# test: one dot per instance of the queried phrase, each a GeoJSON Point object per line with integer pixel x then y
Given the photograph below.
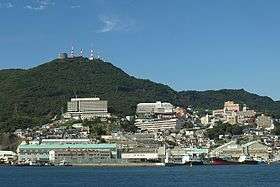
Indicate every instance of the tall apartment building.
{"type": "Point", "coordinates": [86, 108]}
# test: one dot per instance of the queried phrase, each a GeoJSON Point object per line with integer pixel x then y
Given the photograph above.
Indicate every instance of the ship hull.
{"type": "Point", "coordinates": [220, 161]}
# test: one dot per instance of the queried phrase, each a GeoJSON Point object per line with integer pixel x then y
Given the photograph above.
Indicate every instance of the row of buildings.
{"type": "Point", "coordinates": [149, 116]}
{"type": "Point", "coordinates": [85, 152]}
{"type": "Point", "coordinates": [164, 130]}
{"type": "Point", "coordinates": [232, 114]}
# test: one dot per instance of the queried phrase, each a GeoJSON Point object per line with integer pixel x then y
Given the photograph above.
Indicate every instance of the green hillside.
{"type": "Point", "coordinates": [215, 99]}
{"type": "Point", "coordinates": [44, 90]}
{"type": "Point", "coordinates": [31, 97]}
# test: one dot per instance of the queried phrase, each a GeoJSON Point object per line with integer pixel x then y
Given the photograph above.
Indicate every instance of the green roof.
{"type": "Point", "coordinates": [67, 146]}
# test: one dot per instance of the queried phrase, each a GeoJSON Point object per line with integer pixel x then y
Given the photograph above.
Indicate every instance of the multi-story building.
{"type": "Point", "coordinates": [246, 116]}
{"type": "Point", "coordinates": [264, 122]}
{"type": "Point", "coordinates": [231, 114]}
{"type": "Point", "coordinates": [86, 108]}
{"type": "Point", "coordinates": [159, 124]}
{"type": "Point", "coordinates": [158, 116]}
{"type": "Point", "coordinates": [155, 108]}
{"type": "Point", "coordinates": [231, 106]}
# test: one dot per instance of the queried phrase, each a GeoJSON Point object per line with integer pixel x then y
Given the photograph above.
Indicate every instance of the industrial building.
{"type": "Point", "coordinates": [232, 149]}
{"type": "Point", "coordinates": [86, 108]}
{"type": "Point", "coordinates": [74, 153]}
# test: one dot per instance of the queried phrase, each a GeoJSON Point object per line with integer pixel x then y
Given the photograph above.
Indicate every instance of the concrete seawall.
{"type": "Point", "coordinates": [121, 165]}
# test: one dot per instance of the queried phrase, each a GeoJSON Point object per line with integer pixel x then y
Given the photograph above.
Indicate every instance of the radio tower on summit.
{"type": "Point", "coordinates": [91, 55]}
{"type": "Point", "coordinates": [72, 52]}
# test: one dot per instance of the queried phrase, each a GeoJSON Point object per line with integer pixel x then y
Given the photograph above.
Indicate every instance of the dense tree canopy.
{"type": "Point", "coordinates": [34, 96]}
{"type": "Point", "coordinates": [224, 129]}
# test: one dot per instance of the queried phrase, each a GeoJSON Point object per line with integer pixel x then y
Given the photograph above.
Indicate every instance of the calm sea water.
{"type": "Point", "coordinates": [258, 175]}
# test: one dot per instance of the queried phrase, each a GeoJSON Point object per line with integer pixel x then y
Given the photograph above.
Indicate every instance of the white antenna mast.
{"type": "Point", "coordinates": [91, 55]}
{"type": "Point", "coordinates": [72, 52]}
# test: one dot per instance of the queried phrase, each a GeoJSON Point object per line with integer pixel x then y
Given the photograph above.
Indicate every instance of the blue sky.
{"type": "Point", "coordinates": [187, 44]}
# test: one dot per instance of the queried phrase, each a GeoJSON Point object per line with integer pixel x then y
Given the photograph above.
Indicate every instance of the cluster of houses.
{"type": "Point", "coordinates": [162, 128]}
{"type": "Point", "coordinates": [55, 130]}
{"type": "Point", "coordinates": [232, 114]}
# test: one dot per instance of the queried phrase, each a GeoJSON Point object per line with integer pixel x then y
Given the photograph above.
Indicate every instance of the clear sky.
{"type": "Point", "coordinates": [187, 44]}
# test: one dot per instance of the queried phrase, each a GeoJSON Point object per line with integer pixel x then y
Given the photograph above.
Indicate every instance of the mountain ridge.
{"type": "Point", "coordinates": [41, 92]}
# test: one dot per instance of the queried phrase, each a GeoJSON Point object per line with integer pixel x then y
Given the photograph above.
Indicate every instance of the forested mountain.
{"type": "Point", "coordinates": [215, 99]}
{"type": "Point", "coordinates": [32, 97]}
{"type": "Point", "coordinates": [43, 91]}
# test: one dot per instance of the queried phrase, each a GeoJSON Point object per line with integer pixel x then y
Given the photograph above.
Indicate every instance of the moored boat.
{"type": "Point", "coordinates": [222, 161]}
{"type": "Point", "coordinates": [247, 160]}
{"type": "Point", "coordinates": [229, 161]}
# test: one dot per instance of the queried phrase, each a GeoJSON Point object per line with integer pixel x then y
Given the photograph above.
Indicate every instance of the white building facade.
{"type": "Point", "coordinates": [86, 108]}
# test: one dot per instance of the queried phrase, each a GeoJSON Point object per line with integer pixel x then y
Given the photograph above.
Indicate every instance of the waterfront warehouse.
{"type": "Point", "coordinates": [78, 153]}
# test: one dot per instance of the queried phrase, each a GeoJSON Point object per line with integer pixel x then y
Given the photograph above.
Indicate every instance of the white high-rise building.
{"type": "Point", "coordinates": [157, 116]}
{"type": "Point", "coordinates": [86, 108]}
{"type": "Point", "coordinates": [155, 108]}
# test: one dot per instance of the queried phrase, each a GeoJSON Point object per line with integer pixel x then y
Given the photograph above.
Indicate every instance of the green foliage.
{"type": "Point", "coordinates": [99, 127]}
{"type": "Point", "coordinates": [38, 94]}
{"type": "Point", "coordinates": [9, 141]}
{"type": "Point", "coordinates": [21, 122]}
{"type": "Point", "coordinates": [215, 99]}
{"type": "Point", "coordinates": [128, 126]}
{"type": "Point", "coordinates": [223, 129]}
{"type": "Point", "coordinates": [43, 91]}
{"type": "Point", "coordinates": [276, 130]}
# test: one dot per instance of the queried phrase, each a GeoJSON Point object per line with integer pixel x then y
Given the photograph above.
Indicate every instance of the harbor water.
{"type": "Point", "coordinates": [235, 175]}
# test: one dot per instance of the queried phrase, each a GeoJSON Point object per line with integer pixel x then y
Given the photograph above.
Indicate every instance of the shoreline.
{"type": "Point", "coordinates": [120, 165]}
